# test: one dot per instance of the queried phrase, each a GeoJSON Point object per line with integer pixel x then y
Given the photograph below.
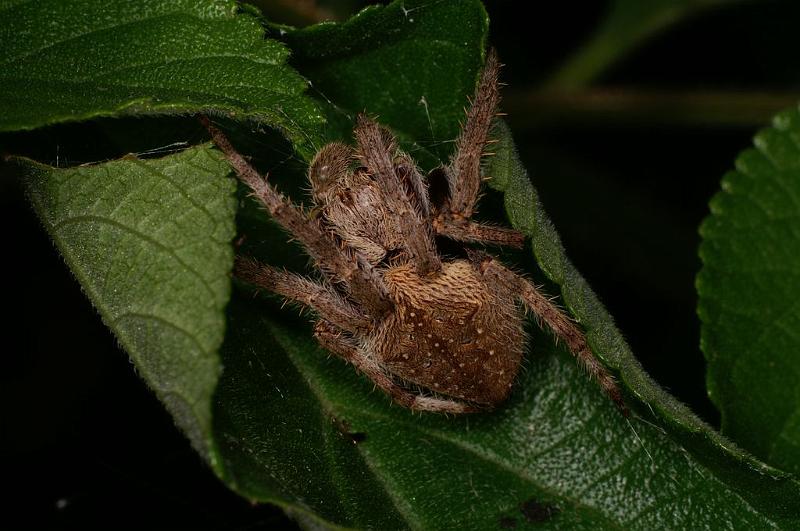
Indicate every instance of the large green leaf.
{"type": "Point", "coordinates": [303, 430]}
{"type": "Point", "coordinates": [405, 63]}
{"type": "Point", "coordinates": [149, 241]}
{"type": "Point", "coordinates": [749, 290]}
{"type": "Point", "coordinates": [90, 58]}
{"type": "Point", "coordinates": [300, 429]}
{"type": "Point", "coordinates": [293, 427]}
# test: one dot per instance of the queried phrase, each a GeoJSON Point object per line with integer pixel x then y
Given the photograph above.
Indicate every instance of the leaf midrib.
{"type": "Point", "coordinates": [85, 218]}
{"type": "Point", "coordinates": [493, 459]}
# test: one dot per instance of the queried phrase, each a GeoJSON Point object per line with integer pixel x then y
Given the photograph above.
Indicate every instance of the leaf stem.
{"type": "Point", "coordinates": [636, 106]}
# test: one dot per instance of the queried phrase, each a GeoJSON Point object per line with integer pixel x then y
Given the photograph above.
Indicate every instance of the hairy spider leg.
{"type": "Point", "coordinates": [414, 184]}
{"type": "Point", "coordinates": [467, 231]}
{"type": "Point", "coordinates": [562, 327]}
{"type": "Point", "coordinates": [333, 340]}
{"type": "Point", "coordinates": [376, 145]}
{"type": "Point", "coordinates": [416, 189]}
{"type": "Point", "coordinates": [324, 300]}
{"type": "Point", "coordinates": [339, 264]}
{"type": "Point", "coordinates": [463, 173]}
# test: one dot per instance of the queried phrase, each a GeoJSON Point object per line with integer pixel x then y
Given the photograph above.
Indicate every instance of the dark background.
{"type": "Point", "coordinates": [85, 444]}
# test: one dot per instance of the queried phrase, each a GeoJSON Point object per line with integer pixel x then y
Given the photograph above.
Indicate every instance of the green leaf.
{"type": "Point", "coordinates": [293, 427]}
{"type": "Point", "coordinates": [149, 242]}
{"type": "Point", "coordinates": [749, 289]}
{"type": "Point", "coordinates": [301, 429]}
{"type": "Point", "coordinates": [626, 25]}
{"type": "Point", "coordinates": [66, 61]}
{"type": "Point", "coordinates": [405, 63]}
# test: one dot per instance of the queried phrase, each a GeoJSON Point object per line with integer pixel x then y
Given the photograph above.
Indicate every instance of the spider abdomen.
{"type": "Point", "coordinates": [451, 333]}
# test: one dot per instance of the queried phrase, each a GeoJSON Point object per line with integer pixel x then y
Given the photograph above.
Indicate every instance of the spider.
{"type": "Point", "coordinates": [436, 334]}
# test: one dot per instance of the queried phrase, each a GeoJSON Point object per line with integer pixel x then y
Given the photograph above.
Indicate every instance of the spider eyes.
{"type": "Point", "coordinates": [323, 174]}
{"type": "Point", "coordinates": [320, 176]}
{"type": "Point", "coordinates": [330, 164]}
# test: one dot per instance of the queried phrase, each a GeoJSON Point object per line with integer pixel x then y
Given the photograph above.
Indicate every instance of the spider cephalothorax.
{"type": "Point", "coordinates": [389, 303]}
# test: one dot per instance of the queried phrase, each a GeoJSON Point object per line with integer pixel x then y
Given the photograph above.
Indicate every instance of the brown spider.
{"type": "Point", "coordinates": [390, 304]}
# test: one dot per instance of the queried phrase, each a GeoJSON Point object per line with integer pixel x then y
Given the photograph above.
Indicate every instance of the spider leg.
{"type": "Point", "coordinates": [326, 302]}
{"type": "Point", "coordinates": [376, 149]}
{"type": "Point", "coordinates": [463, 173]}
{"type": "Point", "coordinates": [362, 281]}
{"type": "Point", "coordinates": [333, 340]}
{"type": "Point", "coordinates": [415, 187]}
{"type": "Point", "coordinates": [464, 170]}
{"type": "Point", "coordinates": [463, 230]}
{"type": "Point", "coordinates": [548, 313]}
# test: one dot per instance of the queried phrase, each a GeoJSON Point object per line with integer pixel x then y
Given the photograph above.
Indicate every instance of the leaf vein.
{"type": "Point", "coordinates": [164, 321]}
{"type": "Point", "coordinates": [495, 460]}
{"type": "Point", "coordinates": [186, 195]}
{"type": "Point", "coordinates": [93, 31]}
{"type": "Point", "coordinates": [57, 226]}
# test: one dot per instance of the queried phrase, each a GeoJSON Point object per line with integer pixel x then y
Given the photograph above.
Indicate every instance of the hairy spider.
{"type": "Point", "coordinates": [390, 304]}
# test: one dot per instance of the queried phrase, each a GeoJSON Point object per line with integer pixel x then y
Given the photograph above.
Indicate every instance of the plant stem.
{"type": "Point", "coordinates": [631, 106]}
